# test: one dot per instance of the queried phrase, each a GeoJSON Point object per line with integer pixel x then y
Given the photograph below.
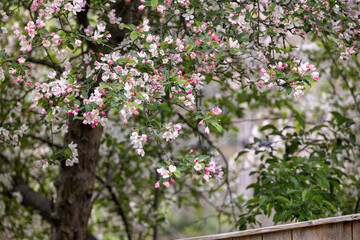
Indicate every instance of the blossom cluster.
{"type": "Point", "coordinates": [73, 158]}
{"type": "Point", "coordinates": [172, 131]}
{"type": "Point", "coordinates": [75, 7]}
{"type": "Point", "coordinates": [207, 170]}
{"type": "Point", "coordinates": [153, 69]}
{"type": "Point", "coordinates": [42, 164]}
{"type": "Point", "coordinates": [12, 137]}
{"type": "Point", "coordinates": [165, 174]}
{"type": "Point", "coordinates": [55, 91]}
{"type": "Point", "coordinates": [203, 166]}
{"type": "Point", "coordinates": [289, 77]}
{"type": "Point", "coordinates": [137, 142]}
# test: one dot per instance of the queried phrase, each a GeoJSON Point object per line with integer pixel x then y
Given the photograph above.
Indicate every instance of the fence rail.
{"type": "Point", "coordinates": [334, 228]}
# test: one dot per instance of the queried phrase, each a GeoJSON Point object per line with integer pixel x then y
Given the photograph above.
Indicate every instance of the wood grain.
{"type": "Point", "coordinates": [253, 237]}
{"type": "Point", "coordinates": [356, 230]}
{"type": "Point", "coordinates": [343, 228]}
{"type": "Point", "coordinates": [333, 231]}
{"type": "Point", "coordinates": [283, 235]}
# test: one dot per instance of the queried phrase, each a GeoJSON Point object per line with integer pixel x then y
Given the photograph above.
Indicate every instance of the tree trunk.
{"type": "Point", "coordinates": [75, 184]}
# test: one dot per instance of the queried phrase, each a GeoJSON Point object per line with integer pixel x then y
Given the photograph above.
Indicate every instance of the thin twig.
{"type": "Point", "coordinates": [119, 207]}
{"type": "Point", "coordinates": [109, 177]}
{"type": "Point", "coordinates": [227, 182]}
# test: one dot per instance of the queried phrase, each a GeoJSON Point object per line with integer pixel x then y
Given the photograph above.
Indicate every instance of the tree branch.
{"type": "Point", "coordinates": [46, 63]}
{"type": "Point", "coordinates": [119, 207]}
{"type": "Point", "coordinates": [34, 199]}
{"type": "Point", "coordinates": [39, 202]}
{"type": "Point", "coordinates": [46, 141]}
{"type": "Point", "coordinates": [227, 182]}
{"type": "Point", "coordinates": [109, 177]}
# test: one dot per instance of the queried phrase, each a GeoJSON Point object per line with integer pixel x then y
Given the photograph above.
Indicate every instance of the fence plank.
{"type": "Point", "coordinates": [356, 230]}
{"type": "Point", "coordinates": [344, 229]}
{"type": "Point", "coordinates": [253, 237]}
{"type": "Point", "coordinates": [307, 233]}
{"type": "Point", "coordinates": [335, 231]}
{"type": "Point", "coordinates": [283, 235]}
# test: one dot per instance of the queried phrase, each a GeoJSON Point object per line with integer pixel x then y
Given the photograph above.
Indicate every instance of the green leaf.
{"type": "Point", "coordinates": [137, 105]}
{"type": "Point", "coordinates": [154, 3]}
{"type": "Point", "coordinates": [272, 7]}
{"type": "Point", "coordinates": [78, 117]}
{"type": "Point", "coordinates": [288, 90]}
{"type": "Point", "coordinates": [68, 152]}
{"type": "Point", "coordinates": [300, 119]}
{"type": "Point", "coordinates": [202, 158]}
{"type": "Point", "coordinates": [126, 26]}
{"type": "Point", "coordinates": [253, 200]}
{"type": "Point", "coordinates": [199, 116]}
{"type": "Point", "coordinates": [70, 46]}
{"type": "Point", "coordinates": [2, 53]}
{"type": "Point", "coordinates": [283, 199]}
{"type": "Point", "coordinates": [304, 195]}
{"type": "Point", "coordinates": [177, 173]}
{"type": "Point", "coordinates": [160, 165]}
{"type": "Point", "coordinates": [300, 10]}
{"type": "Point", "coordinates": [132, 27]}
{"type": "Point", "coordinates": [165, 107]}
{"type": "Point", "coordinates": [84, 94]}
{"type": "Point", "coordinates": [208, 78]}
{"type": "Point", "coordinates": [134, 35]}
{"type": "Point", "coordinates": [268, 126]}
{"type": "Point", "coordinates": [49, 116]}
{"type": "Point", "coordinates": [216, 125]}
{"type": "Point", "coordinates": [316, 128]}
{"type": "Point", "coordinates": [43, 31]}
{"type": "Point", "coordinates": [88, 108]}
{"type": "Point", "coordinates": [240, 154]}
{"type": "Point", "coordinates": [263, 200]}
{"type": "Point", "coordinates": [333, 208]}
{"type": "Point", "coordinates": [189, 48]}
{"type": "Point", "coordinates": [352, 137]}
{"type": "Point", "coordinates": [340, 119]}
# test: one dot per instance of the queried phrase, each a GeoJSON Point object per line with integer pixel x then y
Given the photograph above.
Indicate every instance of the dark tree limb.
{"type": "Point", "coordinates": [109, 177]}
{"type": "Point", "coordinates": [118, 206]}
{"type": "Point", "coordinates": [46, 141]}
{"type": "Point", "coordinates": [46, 63]}
{"type": "Point", "coordinates": [37, 201]}
{"type": "Point", "coordinates": [357, 205]}
{"type": "Point", "coordinates": [227, 182]}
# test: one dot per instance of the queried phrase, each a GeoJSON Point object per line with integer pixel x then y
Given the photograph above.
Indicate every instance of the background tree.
{"type": "Point", "coordinates": [99, 94]}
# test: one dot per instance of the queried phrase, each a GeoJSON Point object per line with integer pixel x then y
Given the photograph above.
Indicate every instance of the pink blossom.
{"type": "Point", "coordinates": [172, 168]}
{"type": "Point", "coordinates": [197, 166]}
{"type": "Point", "coordinates": [315, 75]}
{"type": "Point", "coordinates": [216, 111]}
{"type": "Point", "coordinates": [206, 177]}
{"type": "Point", "coordinates": [21, 60]}
{"type": "Point", "coordinates": [77, 43]}
{"type": "Point", "coordinates": [177, 126]}
{"type": "Point", "coordinates": [207, 130]}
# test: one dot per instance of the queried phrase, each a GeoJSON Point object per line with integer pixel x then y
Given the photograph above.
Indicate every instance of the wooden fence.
{"type": "Point", "coordinates": [335, 228]}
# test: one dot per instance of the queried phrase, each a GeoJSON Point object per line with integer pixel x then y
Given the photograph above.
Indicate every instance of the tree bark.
{"type": "Point", "coordinates": [75, 184]}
